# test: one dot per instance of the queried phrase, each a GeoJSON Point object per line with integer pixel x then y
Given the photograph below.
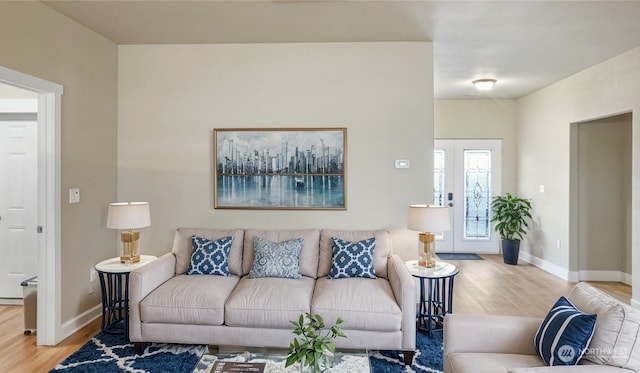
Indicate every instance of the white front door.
{"type": "Point", "coordinates": [467, 174]}
{"type": "Point", "coordinates": [18, 215]}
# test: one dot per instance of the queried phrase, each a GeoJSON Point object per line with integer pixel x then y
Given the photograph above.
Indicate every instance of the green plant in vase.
{"type": "Point", "coordinates": [511, 214]}
{"type": "Point", "coordinates": [312, 347]}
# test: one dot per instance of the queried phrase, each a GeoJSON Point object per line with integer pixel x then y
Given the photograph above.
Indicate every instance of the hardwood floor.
{"type": "Point", "coordinates": [491, 287]}
{"type": "Point", "coordinates": [19, 353]}
{"type": "Point", "coordinates": [482, 286]}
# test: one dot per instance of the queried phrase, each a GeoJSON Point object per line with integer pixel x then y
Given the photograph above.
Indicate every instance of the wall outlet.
{"type": "Point", "coordinates": [93, 276]}
{"type": "Point", "coordinates": [559, 244]}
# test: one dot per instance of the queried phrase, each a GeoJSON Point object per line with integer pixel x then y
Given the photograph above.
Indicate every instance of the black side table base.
{"type": "Point", "coordinates": [115, 303]}
{"type": "Point", "coordinates": [436, 301]}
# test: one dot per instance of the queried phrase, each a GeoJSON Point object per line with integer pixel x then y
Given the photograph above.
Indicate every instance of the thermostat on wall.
{"type": "Point", "coordinates": [403, 163]}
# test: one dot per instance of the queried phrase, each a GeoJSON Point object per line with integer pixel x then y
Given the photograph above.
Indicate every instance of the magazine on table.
{"type": "Point", "coordinates": [237, 367]}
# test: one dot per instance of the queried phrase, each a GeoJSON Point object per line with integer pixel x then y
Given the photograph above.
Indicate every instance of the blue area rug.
{"type": "Point", "coordinates": [106, 353]}
{"type": "Point", "coordinates": [428, 357]}
{"type": "Point", "coordinates": [459, 256]}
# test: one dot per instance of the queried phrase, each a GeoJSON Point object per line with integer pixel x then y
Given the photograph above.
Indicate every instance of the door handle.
{"type": "Point", "coordinates": [450, 199]}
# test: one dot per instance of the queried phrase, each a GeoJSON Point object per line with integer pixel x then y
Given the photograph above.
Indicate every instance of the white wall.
{"type": "Point", "coordinates": [603, 161]}
{"type": "Point", "coordinates": [482, 119]}
{"type": "Point", "coordinates": [7, 91]}
{"type": "Point", "coordinates": [544, 120]}
{"type": "Point", "coordinates": [40, 42]}
{"type": "Point", "coordinates": [172, 97]}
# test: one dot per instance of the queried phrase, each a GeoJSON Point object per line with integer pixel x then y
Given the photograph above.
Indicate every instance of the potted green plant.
{"type": "Point", "coordinates": [313, 348]}
{"type": "Point", "coordinates": [511, 214]}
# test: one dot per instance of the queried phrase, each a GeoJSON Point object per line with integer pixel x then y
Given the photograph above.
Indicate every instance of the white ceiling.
{"type": "Point", "coordinates": [525, 45]}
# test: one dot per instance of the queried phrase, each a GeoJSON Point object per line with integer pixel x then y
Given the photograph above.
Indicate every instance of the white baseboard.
{"type": "Point", "coordinates": [613, 276]}
{"type": "Point", "coordinates": [575, 276]}
{"type": "Point", "coordinates": [11, 302]}
{"type": "Point", "coordinates": [554, 269]}
{"type": "Point", "coordinates": [77, 323]}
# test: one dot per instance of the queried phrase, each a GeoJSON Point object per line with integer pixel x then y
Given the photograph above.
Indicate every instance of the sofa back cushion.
{"type": "Point", "coordinates": [381, 252]}
{"type": "Point", "coordinates": [308, 254]}
{"type": "Point", "coordinates": [183, 247]}
{"type": "Point", "coordinates": [615, 340]}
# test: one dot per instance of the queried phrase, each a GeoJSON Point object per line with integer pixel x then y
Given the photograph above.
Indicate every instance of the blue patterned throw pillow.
{"type": "Point", "coordinates": [210, 257]}
{"type": "Point", "coordinates": [276, 259]}
{"type": "Point", "coordinates": [564, 335]}
{"type": "Point", "coordinates": [352, 259]}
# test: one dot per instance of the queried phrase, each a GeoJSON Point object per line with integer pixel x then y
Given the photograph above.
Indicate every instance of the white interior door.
{"type": "Point", "coordinates": [18, 215]}
{"type": "Point", "coordinates": [467, 174]}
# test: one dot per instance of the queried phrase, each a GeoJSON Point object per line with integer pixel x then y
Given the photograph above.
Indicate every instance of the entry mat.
{"type": "Point", "coordinates": [459, 256]}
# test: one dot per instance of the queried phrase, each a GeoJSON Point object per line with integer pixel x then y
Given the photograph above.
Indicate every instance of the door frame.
{"type": "Point", "coordinates": [49, 318]}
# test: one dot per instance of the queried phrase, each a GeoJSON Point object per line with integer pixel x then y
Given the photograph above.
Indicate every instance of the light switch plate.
{"type": "Point", "coordinates": [74, 195]}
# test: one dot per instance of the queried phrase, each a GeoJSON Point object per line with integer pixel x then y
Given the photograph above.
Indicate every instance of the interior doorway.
{"type": "Point", "coordinates": [18, 191]}
{"type": "Point", "coordinates": [601, 186]}
{"type": "Point", "coordinates": [49, 117]}
{"type": "Point", "coordinates": [467, 174]}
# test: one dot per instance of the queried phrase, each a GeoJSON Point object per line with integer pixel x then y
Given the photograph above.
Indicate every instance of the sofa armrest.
{"type": "Point", "coordinates": [403, 287]}
{"type": "Point", "coordinates": [143, 281]}
{"type": "Point", "coordinates": [490, 333]}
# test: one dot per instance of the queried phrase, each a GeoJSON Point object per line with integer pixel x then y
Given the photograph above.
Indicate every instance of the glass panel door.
{"type": "Point", "coordinates": [467, 174]}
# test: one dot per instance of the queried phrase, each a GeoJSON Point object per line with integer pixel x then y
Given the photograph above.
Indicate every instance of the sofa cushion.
{"type": "Point", "coordinates": [308, 254]}
{"type": "Point", "coordinates": [210, 257]}
{"type": "Point", "coordinates": [564, 334]}
{"type": "Point", "coordinates": [273, 259]}
{"type": "Point", "coordinates": [474, 362]}
{"type": "Point", "coordinates": [188, 300]}
{"type": "Point", "coordinates": [364, 304]}
{"type": "Point", "coordinates": [381, 253]}
{"type": "Point", "coordinates": [183, 247]}
{"type": "Point", "coordinates": [615, 340]}
{"type": "Point", "coordinates": [352, 259]}
{"type": "Point", "coordinates": [268, 302]}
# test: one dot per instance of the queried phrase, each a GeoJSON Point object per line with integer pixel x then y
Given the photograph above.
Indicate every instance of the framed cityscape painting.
{"type": "Point", "coordinates": [274, 168]}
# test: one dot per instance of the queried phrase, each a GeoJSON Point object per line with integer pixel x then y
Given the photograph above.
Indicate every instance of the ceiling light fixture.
{"type": "Point", "coordinates": [484, 84]}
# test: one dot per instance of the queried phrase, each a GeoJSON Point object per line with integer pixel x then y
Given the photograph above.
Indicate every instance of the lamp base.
{"type": "Point", "coordinates": [425, 253]}
{"type": "Point", "coordinates": [129, 259]}
{"type": "Point", "coordinates": [129, 247]}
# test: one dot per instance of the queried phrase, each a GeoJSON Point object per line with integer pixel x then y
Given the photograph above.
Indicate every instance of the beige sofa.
{"type": "Point", "coordinates": [479, 344]}
{"type": "Point", "coordinates": [168, 306]}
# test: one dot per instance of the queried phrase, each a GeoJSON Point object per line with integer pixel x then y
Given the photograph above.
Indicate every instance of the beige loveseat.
{"type": "Point", "coordinates": [166, 305]}
{"type": "Point", "coordinates": [495, 344]}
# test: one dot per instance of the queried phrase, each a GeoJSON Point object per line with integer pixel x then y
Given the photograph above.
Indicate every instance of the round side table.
{"type": "Point", "coordinates": [436, 293]}
{"type": "Point", "coordinates": [114, 288]}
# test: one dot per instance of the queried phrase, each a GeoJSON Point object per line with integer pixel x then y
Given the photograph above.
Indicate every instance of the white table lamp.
{"type": "Point", "coordinates": [426, 220]}
{"type": "Point", "coordinates": [129, 216]}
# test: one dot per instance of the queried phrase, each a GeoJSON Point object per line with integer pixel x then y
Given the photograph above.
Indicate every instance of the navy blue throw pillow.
{"type": "Point", "coordinates": [564, 335]}
{"type": "Point", "coordinates": [352, 259]}
{"type": "Point", "coordinates": [210, 257]}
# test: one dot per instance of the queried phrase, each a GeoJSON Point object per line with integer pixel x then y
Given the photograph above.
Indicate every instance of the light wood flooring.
{"type": "Point", "coordinates": [482, 287]}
